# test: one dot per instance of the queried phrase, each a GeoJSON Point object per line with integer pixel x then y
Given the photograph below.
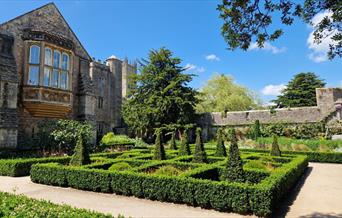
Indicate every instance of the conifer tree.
{"type": "Point", "coordinates": [234, 167]}
{"type": "Point", "coordinates": [275, 151]}
{"type": "Point", "coordinates": [184, 147]}
{"type": "Point", "coordinates": [256, 130]}
{"type": "Point", "coordinates": [81, 155]}
{"type": "Point", "coordinates": [199, 156]}
{"type": "Point", "coordinates": [173, 144]}
{"type": "Point", "coordinates": [220, 147]}
{"type": "Point", "coordinates": [159, 151]}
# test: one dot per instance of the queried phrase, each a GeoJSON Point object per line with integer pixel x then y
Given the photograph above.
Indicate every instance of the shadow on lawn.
{"type": "Point", "coordinates": [288, 201]}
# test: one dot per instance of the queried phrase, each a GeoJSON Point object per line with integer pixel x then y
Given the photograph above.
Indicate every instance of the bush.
{"type": "Point", "coordinates": [81, 155]}
{"type": "Point", "coordinates": [220, 147]}
{"type": "Point", "coordinates": [21, 206]}
{"type": "Point", "coordinates": [234, 166]}
{"type": "Point", "coordinates": [184, 147]}
{"type": "Point", "coordinates": [256, 130]}
{"type": "Point", "coordinates": [167, 170]}
{"type": "Point", "coordinates": [110, 139]}
{"type": "Point", "coordinates": [173, 144]}
{"type": "Point", "coordinates": [159, 151]}
{"type": "Point", "coordinates": [121, 166]}
{"type": "Point", "coordinates": [199, 156]}
{"type": "Point", "coordinates": [275, 151]}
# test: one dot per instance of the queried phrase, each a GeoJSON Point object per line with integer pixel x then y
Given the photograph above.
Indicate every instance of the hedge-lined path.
{"type": "Point", "coordinates": [318, 194]}
{"type": "Point", "coordinates": [106, 203]}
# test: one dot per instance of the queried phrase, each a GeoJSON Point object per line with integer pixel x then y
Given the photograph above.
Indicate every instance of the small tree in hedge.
{"type": "Point", "coordinates": [234, 167]}
{"type": "Point", "coordinates": [199, 156]}
{"type": "Point", "coordinates": [173, 144]}
{"type": "Point", "coordinates": [220, 148]}
{"type": "Point", "coordinates": [81, 155]}
{"type": "Point", "coordinates": [275, 151]}
{"type": "Point", "coordinates": [256, 130]}
{"type": "Point", "coordinates": [159, 151]}
{"type": "Point", "coordinates": [184, 147]}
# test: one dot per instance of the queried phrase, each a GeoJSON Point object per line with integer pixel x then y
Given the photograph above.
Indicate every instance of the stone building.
{"type": "Point", "coordinates": [46, 73]}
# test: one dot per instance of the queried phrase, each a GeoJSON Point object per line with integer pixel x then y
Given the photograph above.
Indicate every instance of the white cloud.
{"type": "Point", "coordinates": [273, 90]}
{"type": "Point", "coordinates": [318, 52]}
{"type": "Point", "coordinates": [212, 57]}
{"type": "Point", "coordinates": [192, 67]}
{"type": "Point", "coordinates": [267, 47]}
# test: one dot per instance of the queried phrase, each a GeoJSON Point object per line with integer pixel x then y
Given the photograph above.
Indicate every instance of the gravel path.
{"type": "Point", "coordinates": [318, 194]}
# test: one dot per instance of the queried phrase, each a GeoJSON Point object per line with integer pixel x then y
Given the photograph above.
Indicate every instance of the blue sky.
{"type": "Point", "coordinates": [191, 29]}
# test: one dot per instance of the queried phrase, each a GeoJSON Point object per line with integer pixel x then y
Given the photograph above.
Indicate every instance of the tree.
{"type": "Point", "coordinates": [252, 20]}
{"type": "Point", "coordinates": [221, 94]}
{"type": "Point", "coordinates": [220, 147]}
{"type": "Point", "coordinates": [173, 144]}
{"type": "Point", "coordinates": [184, 146]}
{"type": "Point", "coordinates": [81, 155]}
{"type": "Point", "coordinates": [161, 95]}
{"type": "Point", "coordinates": [300, 91]}
{"type": "Point", "coordinates": [200, 155]}
{"type": "Point", "coordinates": [159, 151]}
{"type": "Point", "coordinates": [234, 167]}
{"type": "Point", "coordinates": [275, 151]}
{"type": "Point", "coordinates": [256, 130]}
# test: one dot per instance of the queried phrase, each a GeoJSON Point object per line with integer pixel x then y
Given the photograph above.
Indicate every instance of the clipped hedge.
{"type": "Point", "coordinates": [21, 206]}
{"type": "Point", "coordinates": [259, 199]}
{"type": "Point", "coordinates": [21, 167]}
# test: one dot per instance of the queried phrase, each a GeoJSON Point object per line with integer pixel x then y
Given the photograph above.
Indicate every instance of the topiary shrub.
{"type": "Point", "coordinates": [121, 166]}
{"type": "Point", "coordinates": [173, 144]}
{"type": "Point", "coordinates": [199, 156]}
{"type": "Point", "coordinates": [159, 151]}
{"type": "Point", "coordinates": [256, 130]}
{"type": "Point", "coordinates": [275, 151]}
{"type": "Point", "coordinates": [184, 147]}
{"type": "Point", "coordinates": [81, 155]}
{"type": "Point", "coordinates": [220, 147]}
{"type": "Point", "coordinates": [167, 170]}
{"type": "Point", "coordinates": [234, 166]}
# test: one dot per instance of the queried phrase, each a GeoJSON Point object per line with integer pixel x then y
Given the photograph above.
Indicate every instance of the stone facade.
{"type": "Point", "coordinates": [33, 89]}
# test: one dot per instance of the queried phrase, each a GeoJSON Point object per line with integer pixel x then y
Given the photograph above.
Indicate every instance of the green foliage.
{"type": "Point", "coordinates": [200, 156]}
{"type": "Point", "coordinates": [121, 166]}
{"type": "Point", "coordinates": [184, 147]}
{"type": "Point", "coordinates": [167, 170]}
{"type": "Point", "coordinates": [111, 139]}
{"type": "Point", "coordinates": [300, 91]}
{"type": "Point", "coordinates": [256, 130]}
{"type": "Point", "coordinates": [173, 144]}
{"type": "Point", "coordinates": [275, 151]}
{"type": "Point", "coordinates": [221, 94]}
{"type": "Point", "coordinates": [67, 131]}
{"type": "Point", "coordinates": [81, 155]}
{"type": "Point", "coordinates": [159, 150]}
{"type": "Point", "coordinates": [20, 206]}
{"type": "Point", "coordinates": [247, 21]}
{"type": "Point", "coordinates": [220, 147]}
{"type": "Point", "coordinates": [162, 95]}
{"type": "Point", "coordinates": [234, 166]}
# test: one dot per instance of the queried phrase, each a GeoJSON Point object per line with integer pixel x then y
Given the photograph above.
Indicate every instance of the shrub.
{"type": "Point", "coordinates": [220, 147]}
{"type": "Point", "coordinates": [111, 139]}
{"type": "Point", "coordinates": [173, 144]}
{"type": "Point", "coordinates": [184, 147]}
{"type": "Point", "coordinates": [256, 130]}
{"type": "Point", "coordinates": [167, 170]}
{"type": "Point", "coordinates": [199, 156]}
{"type": "Point", "coordinates": [159, 151]}
{"type": "Point", "coordinates": [275, 151]}
{"type": "Point", "coordinates": [121, 166]}
{"type": "Point", "coordinates": [81, 155]}
{"type": "Point", "coordinates": [234, 166]}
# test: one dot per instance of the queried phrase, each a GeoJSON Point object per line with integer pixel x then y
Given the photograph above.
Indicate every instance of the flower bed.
{"type": "Point", "coordinates": [184, 182]}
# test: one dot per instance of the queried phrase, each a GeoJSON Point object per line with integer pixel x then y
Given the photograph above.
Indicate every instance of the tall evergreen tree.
{"type": "Point", "coordinates": [220, 147]}
{"type": "Point", "coordinates": [161, 95]}
{"type": "Point", "coordinates": [184, 146]}
{"type": "Point", "coordinates": [256, 130]}
{"type": "Point", "coordinates": [300, 91]}
{"type": "Point", "coordinates": [200, 155]}
{"type": "Point", "coordinates": [81, 155]}
{"type": "Point", "coordinates": [234, 167]}
{"type": "Point", "coordinates": [275, 151]}
{"type": "Point", "coordinates": [159, 151]}
{"type": "Point", "coordinates": [173, 144]}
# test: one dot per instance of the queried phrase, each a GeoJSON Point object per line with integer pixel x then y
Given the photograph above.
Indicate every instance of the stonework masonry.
{"type": "Point", "coordinates": [93, 91]}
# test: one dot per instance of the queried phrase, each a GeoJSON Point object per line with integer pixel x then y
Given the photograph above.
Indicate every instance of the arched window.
{"type": "Point", "coordinates": [34, 61]}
